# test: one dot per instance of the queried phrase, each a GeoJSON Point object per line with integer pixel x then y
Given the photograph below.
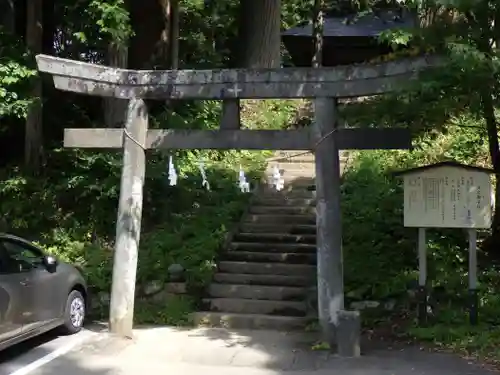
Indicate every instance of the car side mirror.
{"type": "Point", "coordinates": [49, 261]}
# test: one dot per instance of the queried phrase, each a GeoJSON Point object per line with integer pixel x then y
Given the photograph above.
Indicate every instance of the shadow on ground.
{"type": "Point", "coordinates": [284, 353]}
{"type": "Point", "coordinates": [39, 356]}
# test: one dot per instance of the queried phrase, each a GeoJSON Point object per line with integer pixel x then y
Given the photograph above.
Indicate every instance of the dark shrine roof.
{"type": "Point", "coordinates": [449, 163]}
{"type": "Point", "coordinates": [369, 25]}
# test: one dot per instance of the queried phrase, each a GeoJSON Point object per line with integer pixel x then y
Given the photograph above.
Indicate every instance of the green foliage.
{"type": "Point", "coordinates": [183, 224]}
{"type": "Point", "coordinates": [113, 19]}
{"type": "Point", "coordinates": [481, 341]}
{"type": "Point", "coordinates": [269, 114]}
{"type": "Point", "coordinates": [373, 217]}
{"type": "Point", "coordinates": [75, 199]}
{"type": "Point", "coordinates": [14, 77]}
{"type": "Point", "coordinates": [175, 312]}
{"type": "Point", "coordinates": [466, 32]}
{"type": "Point", "coordinates": [77, 195]}
{"type": "Point", "coordinates": [373, 222]}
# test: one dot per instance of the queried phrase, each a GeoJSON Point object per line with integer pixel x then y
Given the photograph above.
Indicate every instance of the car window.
{"type": "Point", "coordinates": [8, 265]}
{"type": "Point", "coordinates": [24, 255]}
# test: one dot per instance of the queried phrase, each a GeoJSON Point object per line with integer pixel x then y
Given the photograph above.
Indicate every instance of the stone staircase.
{"type": "Point", "coordinates": [266, 275]}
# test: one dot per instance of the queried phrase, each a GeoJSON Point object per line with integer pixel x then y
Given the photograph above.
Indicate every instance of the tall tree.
{"type": "Point", "coordinates": [49, 26]}
{"type": "Point", "coordinates": [468, 32]}
{"type": "Point", "coordinates": [259, 46]}
{"type": "Point", "coordinates": [260, 28]}
{"type": "Point", "coordinates": [115, 25]}
{"type": "Point", "coordinates": [154, 44]}
{"type": "Point", "coordinates": [21, 11]}
{"type": "Point", "coordinates": [7, 15]}
{"type": "Point", "coordinates": [173, 41]}
{"type": "Point", "coordinates": [33, 144]}
{"type": "Point", "coordinates": [147, 49]}
{"type": "Point", "coordinates": [115, 109]}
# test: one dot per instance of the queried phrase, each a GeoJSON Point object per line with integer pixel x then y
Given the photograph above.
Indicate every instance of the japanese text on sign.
{"type": "Point", "coordinates": [447, 197]}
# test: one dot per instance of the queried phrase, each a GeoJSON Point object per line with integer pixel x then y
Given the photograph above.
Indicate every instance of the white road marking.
{"type": "Point", "coordinates": [82, 337]}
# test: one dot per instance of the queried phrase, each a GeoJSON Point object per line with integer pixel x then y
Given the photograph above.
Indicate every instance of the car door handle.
{"type": "Point", "coordinates": [24, 282]}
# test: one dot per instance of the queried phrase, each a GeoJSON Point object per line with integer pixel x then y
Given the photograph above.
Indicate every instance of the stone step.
{"type": "Point", "coordinates": [290, 184]}
{"type": "Point", "coordinates": [266, 268]}
{"type": "Point", "coordinates": [287, 174]}
{"type": "Point", "coordinates": [284, 201]}
{"type": "Point", "coordinates": [285, 219]}
{"type": "Point", "coordinates": [290, 160]}
{"type": "Point", "coordinates": [294, 171]}
{"type": "Point", "coordinates": [289, 258]}
{"type": "Point", "coordinates": [278, 228]}
{"type": "Point", "coordinates": [275, 237]}
{"type": "Point", "coordinates": [258, 292]}
{"type": "Point", "coordinates": [282, 210]}
{"type": "Point", "coordinates": [289, 192]}
{"type": "Point", "coordinates": [302, 159]}
{"type": "Point", "coordinates": [299, 162]}
{"type": "Point", "coordinates": [271, 280]}
{"type": "Point", "coordinates": [294, 154]}
{"type": "Point", "coordinates": [306, 171]}
{"type": "Point", "coordinates": [292, 157]}
{"type": "Point", "coordinates": [275, 247]}
{"type": "Point", "coordinates": [298, 178]}
{"type": "Point", "coordinates": [255, 306]}
{"type": "Point", "coordinates": [249, 321]}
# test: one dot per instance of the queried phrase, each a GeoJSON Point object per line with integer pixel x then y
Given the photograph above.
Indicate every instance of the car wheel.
{"type": "Point", "coordinates": [74, 313]}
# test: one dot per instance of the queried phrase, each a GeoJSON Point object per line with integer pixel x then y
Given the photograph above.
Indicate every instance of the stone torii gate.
{"type": "Point", "coordinates": [325, 138]}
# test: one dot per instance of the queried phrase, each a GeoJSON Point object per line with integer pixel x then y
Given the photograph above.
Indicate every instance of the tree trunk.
{"type": "Point", "coordinates": [492, 128]}
{"type": "Point", "coordinates": [167, 48]}
{"type": "Point", "coordinates": [150, 45]}
{"type": "Point", "coordinates": [115, 109]}
{"type": "Point", "coordinates": [163, 50]}
{"type": "Point", "coordinates": [317, 26]}
{"type": "Point", "coordinates": [488, 109]}
{"type": "Point", "coordinates": [173, 54]}
{"type": "Point", "coordinates": [21, 18]}
{"type": "Point", "coordinates": [169, 43]}
{"type": "Point", "coordinates": [155, 41]}
{"type": "Point", "coordinates": [148, 22]}
{"type": "Point", "coordinates": [49, 28]}
{"type": "Point", "coordinates": [8, 15]}
{"type": "Point", "coordinates": [261, 21]}
{"type": "Point", "coordinates": [260, 46]}
{"type": "Point", "coordinates": [33, 144]}
{"type": "Point", "coordinates": [491, 245]}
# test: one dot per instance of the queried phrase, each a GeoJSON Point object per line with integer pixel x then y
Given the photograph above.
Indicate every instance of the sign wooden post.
{"type": "Point", "coordinates": [473, 296]}
{"type": "Point", "coordinates": [447, 195]}
{"type": "Point", "coordinates": [422, 276]}
{"type": "Point", "coordinates": [226, 84]}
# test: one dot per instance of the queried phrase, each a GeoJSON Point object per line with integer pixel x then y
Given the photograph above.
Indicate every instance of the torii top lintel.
{"type": "Point", "coordinates": [345, 81]}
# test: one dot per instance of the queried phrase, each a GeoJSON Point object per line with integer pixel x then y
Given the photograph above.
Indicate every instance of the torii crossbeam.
{"type": "Point", "coordinates": [324, 138]}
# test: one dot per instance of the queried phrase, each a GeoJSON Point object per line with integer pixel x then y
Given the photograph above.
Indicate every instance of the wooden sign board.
{"type": "Point", "coordinates": [447, 196]}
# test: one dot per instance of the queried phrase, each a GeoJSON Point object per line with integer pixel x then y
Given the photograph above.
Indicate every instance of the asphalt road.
{"type": "Point", "coordinates": [29, 357]}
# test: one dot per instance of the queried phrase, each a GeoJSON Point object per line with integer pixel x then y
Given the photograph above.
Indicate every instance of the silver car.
{"type": "Point", "coordinates": [37, 293]}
